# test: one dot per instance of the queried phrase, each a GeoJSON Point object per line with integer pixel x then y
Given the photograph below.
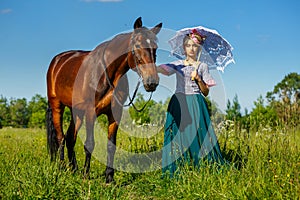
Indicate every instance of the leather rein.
{"type": "Point", "coordinates": [137, 85]}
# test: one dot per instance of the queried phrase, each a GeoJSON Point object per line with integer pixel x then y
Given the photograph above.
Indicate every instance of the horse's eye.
{"type": "Point", "coordinates": [139, 61]}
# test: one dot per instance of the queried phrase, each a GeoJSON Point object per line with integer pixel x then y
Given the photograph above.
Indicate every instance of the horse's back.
{"type": "Point", "coordinates": [62, 74]}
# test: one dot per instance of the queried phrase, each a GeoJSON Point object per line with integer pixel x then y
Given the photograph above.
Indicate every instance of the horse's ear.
{"type": "Point", "coordinates": [138, 23]}
{"type": "Point", "coordinates": [157, 28]}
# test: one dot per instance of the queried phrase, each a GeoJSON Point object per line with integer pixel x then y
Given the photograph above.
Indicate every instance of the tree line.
{"type": "Point", "coordinates": [280, 107]}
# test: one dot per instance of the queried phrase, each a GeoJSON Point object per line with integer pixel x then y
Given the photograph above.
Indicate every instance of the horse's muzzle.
{"type": "Point", "coordinates": [150, 84]}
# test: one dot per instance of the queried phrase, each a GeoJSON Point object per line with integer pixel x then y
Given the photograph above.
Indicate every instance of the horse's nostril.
{"type": "Point", "coordinates": [151, 81]}
{"type": "Point", "coordinates": [150, 84]}
{"type": "Point", "coordinates": [151, 87]}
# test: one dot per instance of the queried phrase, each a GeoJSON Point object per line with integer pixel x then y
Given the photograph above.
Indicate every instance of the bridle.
{"type": "Point", "coordinates": [137, 86]}
{"type": "Point", "coordinates": [138, 83]}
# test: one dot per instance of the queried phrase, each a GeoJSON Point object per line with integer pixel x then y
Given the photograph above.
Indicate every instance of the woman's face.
{"type": "Point", "coordinates": [191, 49]}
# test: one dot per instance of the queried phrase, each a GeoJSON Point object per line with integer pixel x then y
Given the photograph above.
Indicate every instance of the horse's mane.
{"type": "Point", "coordinates": [121, 36]}
{"type": "Point", "coordinates": [97, 59]}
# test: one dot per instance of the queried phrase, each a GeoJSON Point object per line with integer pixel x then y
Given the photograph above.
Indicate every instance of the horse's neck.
{"type": "Point", "coordinates": [111, 60]}
{"type": "Point", "coordinates": [116, 54]}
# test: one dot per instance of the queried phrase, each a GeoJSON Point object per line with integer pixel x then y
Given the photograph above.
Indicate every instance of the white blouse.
{"type": "Point", "coordinates": [183, 76]}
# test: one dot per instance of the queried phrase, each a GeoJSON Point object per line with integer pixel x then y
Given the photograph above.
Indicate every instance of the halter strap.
{"type": "Point", "coordinates": [136, 88]}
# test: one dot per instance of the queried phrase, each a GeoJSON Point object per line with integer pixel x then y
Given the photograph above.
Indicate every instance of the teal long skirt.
{"type": "Point", "coordinates": [188, 134]}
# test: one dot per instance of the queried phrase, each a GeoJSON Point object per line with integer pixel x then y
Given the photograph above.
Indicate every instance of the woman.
{"type": "Point", "coordinates": [189, 136]}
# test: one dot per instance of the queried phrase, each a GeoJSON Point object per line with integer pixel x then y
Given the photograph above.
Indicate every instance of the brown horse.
{"type": "Point", "coordinates": [85, 81]}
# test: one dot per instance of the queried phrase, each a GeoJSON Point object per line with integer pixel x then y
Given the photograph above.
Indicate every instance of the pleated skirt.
{"type": "Point", "coordinates": [189, 136]}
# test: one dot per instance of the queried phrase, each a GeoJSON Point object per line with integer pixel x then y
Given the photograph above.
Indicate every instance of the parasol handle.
{"type": "Point", "coordinates": [197, 66]}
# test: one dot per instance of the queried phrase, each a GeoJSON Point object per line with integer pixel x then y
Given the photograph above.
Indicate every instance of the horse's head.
{"type": "Point", "coordinates": [142, 56]}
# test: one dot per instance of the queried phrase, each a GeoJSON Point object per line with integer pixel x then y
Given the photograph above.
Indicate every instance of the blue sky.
{"type": "Point", "coordinates": [265, 35]}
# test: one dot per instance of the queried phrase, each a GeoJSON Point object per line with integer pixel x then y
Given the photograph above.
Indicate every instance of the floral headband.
{"type": "Point", "coordinates": [196, 37]}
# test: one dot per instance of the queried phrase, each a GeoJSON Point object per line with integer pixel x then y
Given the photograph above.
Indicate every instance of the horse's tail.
{"type": "Point", "coordinates": [52, 142]}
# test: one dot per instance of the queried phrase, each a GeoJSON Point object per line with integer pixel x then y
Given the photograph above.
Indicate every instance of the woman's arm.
{"type": "Point", "coordinates": [161, 69]}
{"type": "Point", "coordinates": [166, 69]}
{"type": "Point", "coordinates": [201, 84]}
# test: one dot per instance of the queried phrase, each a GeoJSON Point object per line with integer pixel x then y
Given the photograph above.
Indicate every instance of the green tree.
{"type": "Point", "coordinates": [215, 113]}
{"type": "Point", "coordinates": [245, 121]}
{"type": "Point", "coordinates": [287, 90]}
{"type": "Point", "coordinates": [262, 115]}
{"type": "Point", "coordinates": [142, 117]}
{"type": "Point", "coordinates": [67, 116]}
{"type": "Point", "coordinates": [4, 112]}
{"type": "Point", "coordinates": [18, 112]}
{"type": "Point", "coordinates": [37, 108]}
{"type": "Point", "coordinates": [103, 121]}
{"type": "Point", "coordinates": [285, 99]}
{"type": "Point", "coordinates": [158, 113]}
{"type": "Point", "coordinates": [233, 111]}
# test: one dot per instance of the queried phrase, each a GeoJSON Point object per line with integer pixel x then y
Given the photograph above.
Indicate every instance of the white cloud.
{"type": "Point", "coordinates": [103, 1]}
{"type": "Point", "coordinates": [5, 11]}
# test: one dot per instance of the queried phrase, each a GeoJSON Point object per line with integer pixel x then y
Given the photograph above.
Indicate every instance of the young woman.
{"type": "Point", "coordinates": [188, 133]}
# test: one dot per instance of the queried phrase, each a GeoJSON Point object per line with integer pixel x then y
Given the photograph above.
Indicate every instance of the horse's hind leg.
{"type": "Point", "coordinates": [57, 114]}
{"type": "Point", "coordinates": [71, 138]}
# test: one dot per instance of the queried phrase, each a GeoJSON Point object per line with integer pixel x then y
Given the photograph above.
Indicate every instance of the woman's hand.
{"type": "Point", "coordinates": [203, 87]}
{"type": "Point", "coordinates": [195, 76]}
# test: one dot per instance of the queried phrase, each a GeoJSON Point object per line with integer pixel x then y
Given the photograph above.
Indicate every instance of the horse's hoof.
{"type": "Point", "coordinates": [109, 179]}
{"type": "Point", "coordinates": [73, 167]}
{"type": "Point", "coordinates": [86, 176]}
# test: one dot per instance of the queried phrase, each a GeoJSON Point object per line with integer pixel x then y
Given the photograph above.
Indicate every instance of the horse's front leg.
{"type": "Point", "coordinates": [111, 149]}
{"type": "Point", "coordinates": [89, 142]}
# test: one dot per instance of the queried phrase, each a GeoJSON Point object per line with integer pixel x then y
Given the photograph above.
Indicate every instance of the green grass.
{"type": "Point", "coordinates": [267, 166]}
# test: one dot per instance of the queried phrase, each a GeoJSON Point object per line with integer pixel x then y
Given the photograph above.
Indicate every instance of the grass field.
{"type": "Point", "coordinates": [267, 166]}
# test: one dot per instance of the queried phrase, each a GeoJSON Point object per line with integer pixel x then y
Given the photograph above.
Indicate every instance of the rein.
{"type": "Point", "coordinates": [136, 88]}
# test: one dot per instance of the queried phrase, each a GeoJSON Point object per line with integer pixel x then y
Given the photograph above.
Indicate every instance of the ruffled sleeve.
{"type": "Point", "coordinates": [206, 76]}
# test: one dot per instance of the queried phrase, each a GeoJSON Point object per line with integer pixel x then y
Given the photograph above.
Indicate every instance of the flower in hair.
{"type": "Point", "coordinates": [197, 37]}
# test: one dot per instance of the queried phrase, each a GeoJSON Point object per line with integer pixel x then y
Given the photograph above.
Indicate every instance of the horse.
{"type": "Point", "coordinates": [86, 81]}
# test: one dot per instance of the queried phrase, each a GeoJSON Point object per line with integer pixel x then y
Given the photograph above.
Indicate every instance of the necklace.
{"type": "Point", "coordinates": [187, 62]}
